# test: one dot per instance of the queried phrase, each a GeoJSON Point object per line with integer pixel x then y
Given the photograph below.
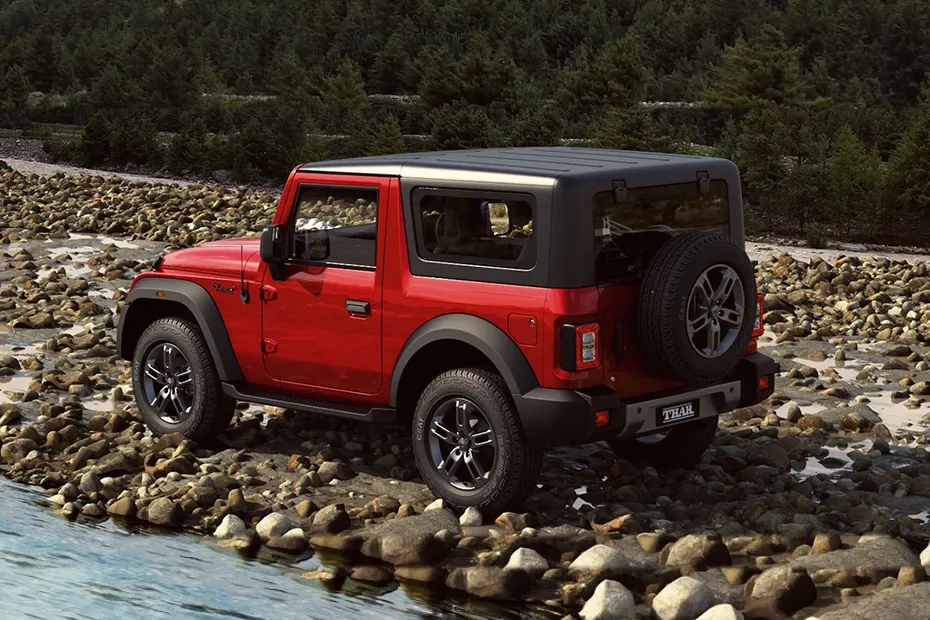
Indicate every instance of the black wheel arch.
{"type": "Point", "coordinates": [482, 335]}
{"type": "Point", "coordinates": [151, 298]}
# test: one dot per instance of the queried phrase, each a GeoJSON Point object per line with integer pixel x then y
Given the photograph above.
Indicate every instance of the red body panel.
{"type": "Point", "coordinates": [300, 339]}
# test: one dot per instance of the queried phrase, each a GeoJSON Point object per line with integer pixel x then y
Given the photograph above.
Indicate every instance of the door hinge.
{"type": "Point", "coordinates": [620, 192]}
{"type": "Point", "coordinates": [268, 293]}
{"type": "Point", "coordinates": [703, 182]}
{"type": "Point", "coordinates": [269, 346]}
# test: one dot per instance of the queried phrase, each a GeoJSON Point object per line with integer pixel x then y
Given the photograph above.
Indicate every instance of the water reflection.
{"type": "Point", "coordinates": [53, 568]}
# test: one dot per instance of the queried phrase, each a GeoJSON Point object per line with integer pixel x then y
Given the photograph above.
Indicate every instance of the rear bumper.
{"type": "Point", "coordinates": [565, 417]}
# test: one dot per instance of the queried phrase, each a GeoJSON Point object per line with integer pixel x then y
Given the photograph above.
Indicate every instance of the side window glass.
{"type": "Point", "coordinates": [476, 230]}
{"type": "Point", "coordinates": [336, 225]}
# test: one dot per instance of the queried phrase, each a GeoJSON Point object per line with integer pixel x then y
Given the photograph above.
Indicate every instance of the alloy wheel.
{"type": "Point", "coordinates": [715, 311]}
{"type": "Point", "coordinates": [461, 442]}
{"type": "Point", "coordinates": [168, 381]}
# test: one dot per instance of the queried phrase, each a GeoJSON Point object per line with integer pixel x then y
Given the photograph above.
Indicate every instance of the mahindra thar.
{"type": "Point", "coordinates": [497, 301]}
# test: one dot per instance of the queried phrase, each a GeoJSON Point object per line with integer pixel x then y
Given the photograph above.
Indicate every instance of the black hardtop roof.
{"type": "Point", "coordinates": [529, 162]}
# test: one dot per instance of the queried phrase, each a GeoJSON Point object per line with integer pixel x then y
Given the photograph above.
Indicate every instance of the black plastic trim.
{"type": "Point", "coordinates": [196, 299]}
{"type": "Point", "coordinates": [340, 410]}
{"type": "Point", "coordinates": [749, 369]}
{"type": "Point", "coordinates": [497, 346]}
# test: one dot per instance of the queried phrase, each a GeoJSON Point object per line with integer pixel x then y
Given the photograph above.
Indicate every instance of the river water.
{"type": "Point", "coordinates": [52, 568]}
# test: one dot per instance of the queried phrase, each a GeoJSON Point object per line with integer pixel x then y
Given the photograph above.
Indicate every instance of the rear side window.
{"type": "Point", "coordinates": [627, 234]}
{"type": "Point", "coordinates": [345, 218]}
{"type": "Point", "coordinates": [465, 227]}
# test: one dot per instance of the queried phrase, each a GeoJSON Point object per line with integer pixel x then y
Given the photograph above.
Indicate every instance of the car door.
{"type": "Point", "coordinates": [322, 322]}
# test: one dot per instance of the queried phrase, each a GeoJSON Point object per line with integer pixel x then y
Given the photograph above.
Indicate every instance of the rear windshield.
{"type": "Point", "coordinates": [627, 234]}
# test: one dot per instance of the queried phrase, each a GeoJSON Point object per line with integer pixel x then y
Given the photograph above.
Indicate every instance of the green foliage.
{"type": "Point", "coordinates": [762, 70]}
{"type": "Point", "coordinates": [909, 173]}
{"type": "Point", "coordinates": [96, 139]}
{"type": "Point", "coordinates": [539, 126]}
{"type": "Point", "coordinates": [460, 127]}
{"type": "Point", "coordinates": [854, 177]}
{"type": "Point", "coordinates": [386, 138]}
{"type": "Point", "coordinates": [629, 129]}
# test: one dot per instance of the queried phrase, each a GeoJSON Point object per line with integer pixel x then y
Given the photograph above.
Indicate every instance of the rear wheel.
{"type": "Point", "coordinates": [176, 384]}
{"type": "Point", "coordinates": [681, 446]}
{"type": "Point", "coordinates": [469, 445]}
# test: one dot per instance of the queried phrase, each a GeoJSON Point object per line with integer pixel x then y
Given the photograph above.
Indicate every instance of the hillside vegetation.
{"type": "Point", "coordinates": [821, 102]}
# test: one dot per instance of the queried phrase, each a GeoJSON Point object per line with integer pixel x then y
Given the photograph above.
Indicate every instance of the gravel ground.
{"type": "Point", "coordinates": [813, 503]}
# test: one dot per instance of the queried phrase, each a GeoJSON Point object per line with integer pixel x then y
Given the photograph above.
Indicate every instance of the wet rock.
{"type": "Point", "coordinates": [165, 512]}
{"type": "Point", "coordinates": [609, 601]}
{"type": "Point", "coordinates": [123, 507]}
{"type": "Point", "coordinates": [370, 574]}
{"type": "Point", "coordinates": [274, 525]}
{"type": "Point", "coordinates": [16, 450]}
{"type": "Point", "coordinates": [600, 560]}
{"type": "Point", "coordinates": [90, 483]}
{"type": "Point", "coordinates": [422, 574]}
{"type": "Point", "coordinates": [856, 417]}
{"type": "Point", "coordinates": [231, 527]}
{"type": "Point", "coordinates": [294, 541]}
{"type": "Point", "coordinates": [9, 414]}
{"type": "Point", "coordinates": [335, 470]}
{"type": "Point", "coordinates": [877, 558]}
{"type": "Point", "coordinates": [683, 599]}
{"type": "Point", "coordinates": [784, 588]}
{"type": "Point", "coordinates": [490, 582]}
{"type": "Point", "coordinates": [908, 603]}
{"type": "Point", "coordinates": [528, 561]}
{"type": "Point", "coordinates": [411, 540]}
{"type": "Point", "coordinates": [305, 508]}
{"type": "Point", "coordinates": [118, 463]}
{"type": "Point", "coordinates": [697, 552]}
{"type": "Point", "coordinates": [331, 520]}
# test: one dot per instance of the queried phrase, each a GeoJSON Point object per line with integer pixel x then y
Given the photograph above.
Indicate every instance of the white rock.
{"type": "Point", "coordinates": [925, 559]}
{"type": "Point", "coordinates": [90, 483]}
{"type": "Point", "coordinates": [528, 561]}
{"type": "Point", "coordinates": [436, 505]}
{"type": "Point", "coordinates": [600, 559]}
{"type": "Point", "coordinates": [683, 599]}
{"type": "Point", "coordinates": [295, 534]}
{"type": "Point", "coordinates": [231, 527]}
{"type": "Point", "coordinates": [610, 601]}
{"type": "Point", "coordinates": [722, 612]}
{"type": "Point", "coordinates": [471, 517]}
{"type": "Point", "coordinates": [274, 525]}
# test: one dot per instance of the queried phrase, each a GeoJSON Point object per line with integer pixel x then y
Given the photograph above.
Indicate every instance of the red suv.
{"type": "Point", "coordinates": [497, 301]}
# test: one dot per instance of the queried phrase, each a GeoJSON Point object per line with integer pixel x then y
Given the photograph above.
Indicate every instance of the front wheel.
{"type": "Point", "coordinates": [680, 446]}
{"type": "Point", "coordinates": [469, 444]}
{"type": "Point", "coordinates": [176, 384]}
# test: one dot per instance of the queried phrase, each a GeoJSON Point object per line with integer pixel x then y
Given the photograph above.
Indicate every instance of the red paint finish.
{"type": "Point", "coordinates": [321, 350]}
{"type": "Point", "coordinates": [522, 328]}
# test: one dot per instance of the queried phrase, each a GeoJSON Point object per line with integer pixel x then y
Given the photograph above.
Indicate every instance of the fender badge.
{"type": "Point", "coordinates": [223, 289]}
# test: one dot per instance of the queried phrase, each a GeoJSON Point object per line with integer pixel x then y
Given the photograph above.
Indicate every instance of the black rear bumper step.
{"type": "Point", "coordinates": [299, 403]}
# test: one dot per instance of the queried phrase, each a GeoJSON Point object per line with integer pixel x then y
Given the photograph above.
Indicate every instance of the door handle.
{"type": "Point", "coordinates": [357, 307]}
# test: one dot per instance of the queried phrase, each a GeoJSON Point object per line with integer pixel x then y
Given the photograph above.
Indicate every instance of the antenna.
{"type": "Point", "coordinates": [243, 292]}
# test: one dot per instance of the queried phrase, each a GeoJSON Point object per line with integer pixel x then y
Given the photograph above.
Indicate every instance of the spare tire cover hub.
{"type": "Point", "coordinates": [715, 311]}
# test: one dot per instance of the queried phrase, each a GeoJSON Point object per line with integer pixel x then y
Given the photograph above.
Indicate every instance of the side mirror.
{"type": "Point", "coordinates": [273, 250]}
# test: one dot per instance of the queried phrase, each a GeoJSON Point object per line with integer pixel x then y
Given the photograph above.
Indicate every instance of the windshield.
{"type": "Point", "coordinates": [627, 234]}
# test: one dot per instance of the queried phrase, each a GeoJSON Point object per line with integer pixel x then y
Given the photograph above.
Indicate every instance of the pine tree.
{"type": "Point", "coordinates": [855, 183]}
{"type": "Point", "coordinates": [761, 71]}
{"type": "Point", "coordinates": [909, 173]}
{"type": "Point", "coordinates": [386, 138]}
{"type": "Point", "coordinates": [96, 140]}
{"type": "Point", "coordinates": [539, 126]}
{"type": "Point", "coordinates": [460, 127]}
{"type": "Point", "coordinates": [630, 129]}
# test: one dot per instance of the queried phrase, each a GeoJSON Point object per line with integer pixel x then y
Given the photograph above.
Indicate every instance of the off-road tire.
{"type": "Point", "coordinates": [663, 307]}
{"type": "Point", "coordinates": [211, 410]}
{"type": "Point", "coordinates": [683, 447]}
{"type": "Point", "coordinates": [518, 462]}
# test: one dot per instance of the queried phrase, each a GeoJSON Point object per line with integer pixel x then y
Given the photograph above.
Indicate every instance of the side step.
{"type": "Point", "coordinates": [299, 403]}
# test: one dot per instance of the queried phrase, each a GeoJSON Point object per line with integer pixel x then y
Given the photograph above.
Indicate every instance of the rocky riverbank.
{"type": "Point", "coordinates": [812, 504]}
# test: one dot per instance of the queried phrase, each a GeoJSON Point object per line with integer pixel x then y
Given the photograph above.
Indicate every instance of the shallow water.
{"type": "Point", "coordinates": [54, 568]}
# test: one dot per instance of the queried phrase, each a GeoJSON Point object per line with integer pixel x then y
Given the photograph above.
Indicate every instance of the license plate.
{"type": "Point", "coordinates": [672, 414]}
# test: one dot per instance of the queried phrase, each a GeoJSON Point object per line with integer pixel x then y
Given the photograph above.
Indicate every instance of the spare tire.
{"type": "Point", "coordinates": [696, 307]}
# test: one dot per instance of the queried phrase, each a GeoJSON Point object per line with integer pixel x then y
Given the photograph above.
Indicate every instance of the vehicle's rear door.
{"type": "Point", "coordinates": [322, 322]}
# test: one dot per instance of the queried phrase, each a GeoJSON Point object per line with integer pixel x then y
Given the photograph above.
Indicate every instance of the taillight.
{"type": "Point", "coordinates": [759, 328]}
{"type": "Point", "coordinates": [580, 349]}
